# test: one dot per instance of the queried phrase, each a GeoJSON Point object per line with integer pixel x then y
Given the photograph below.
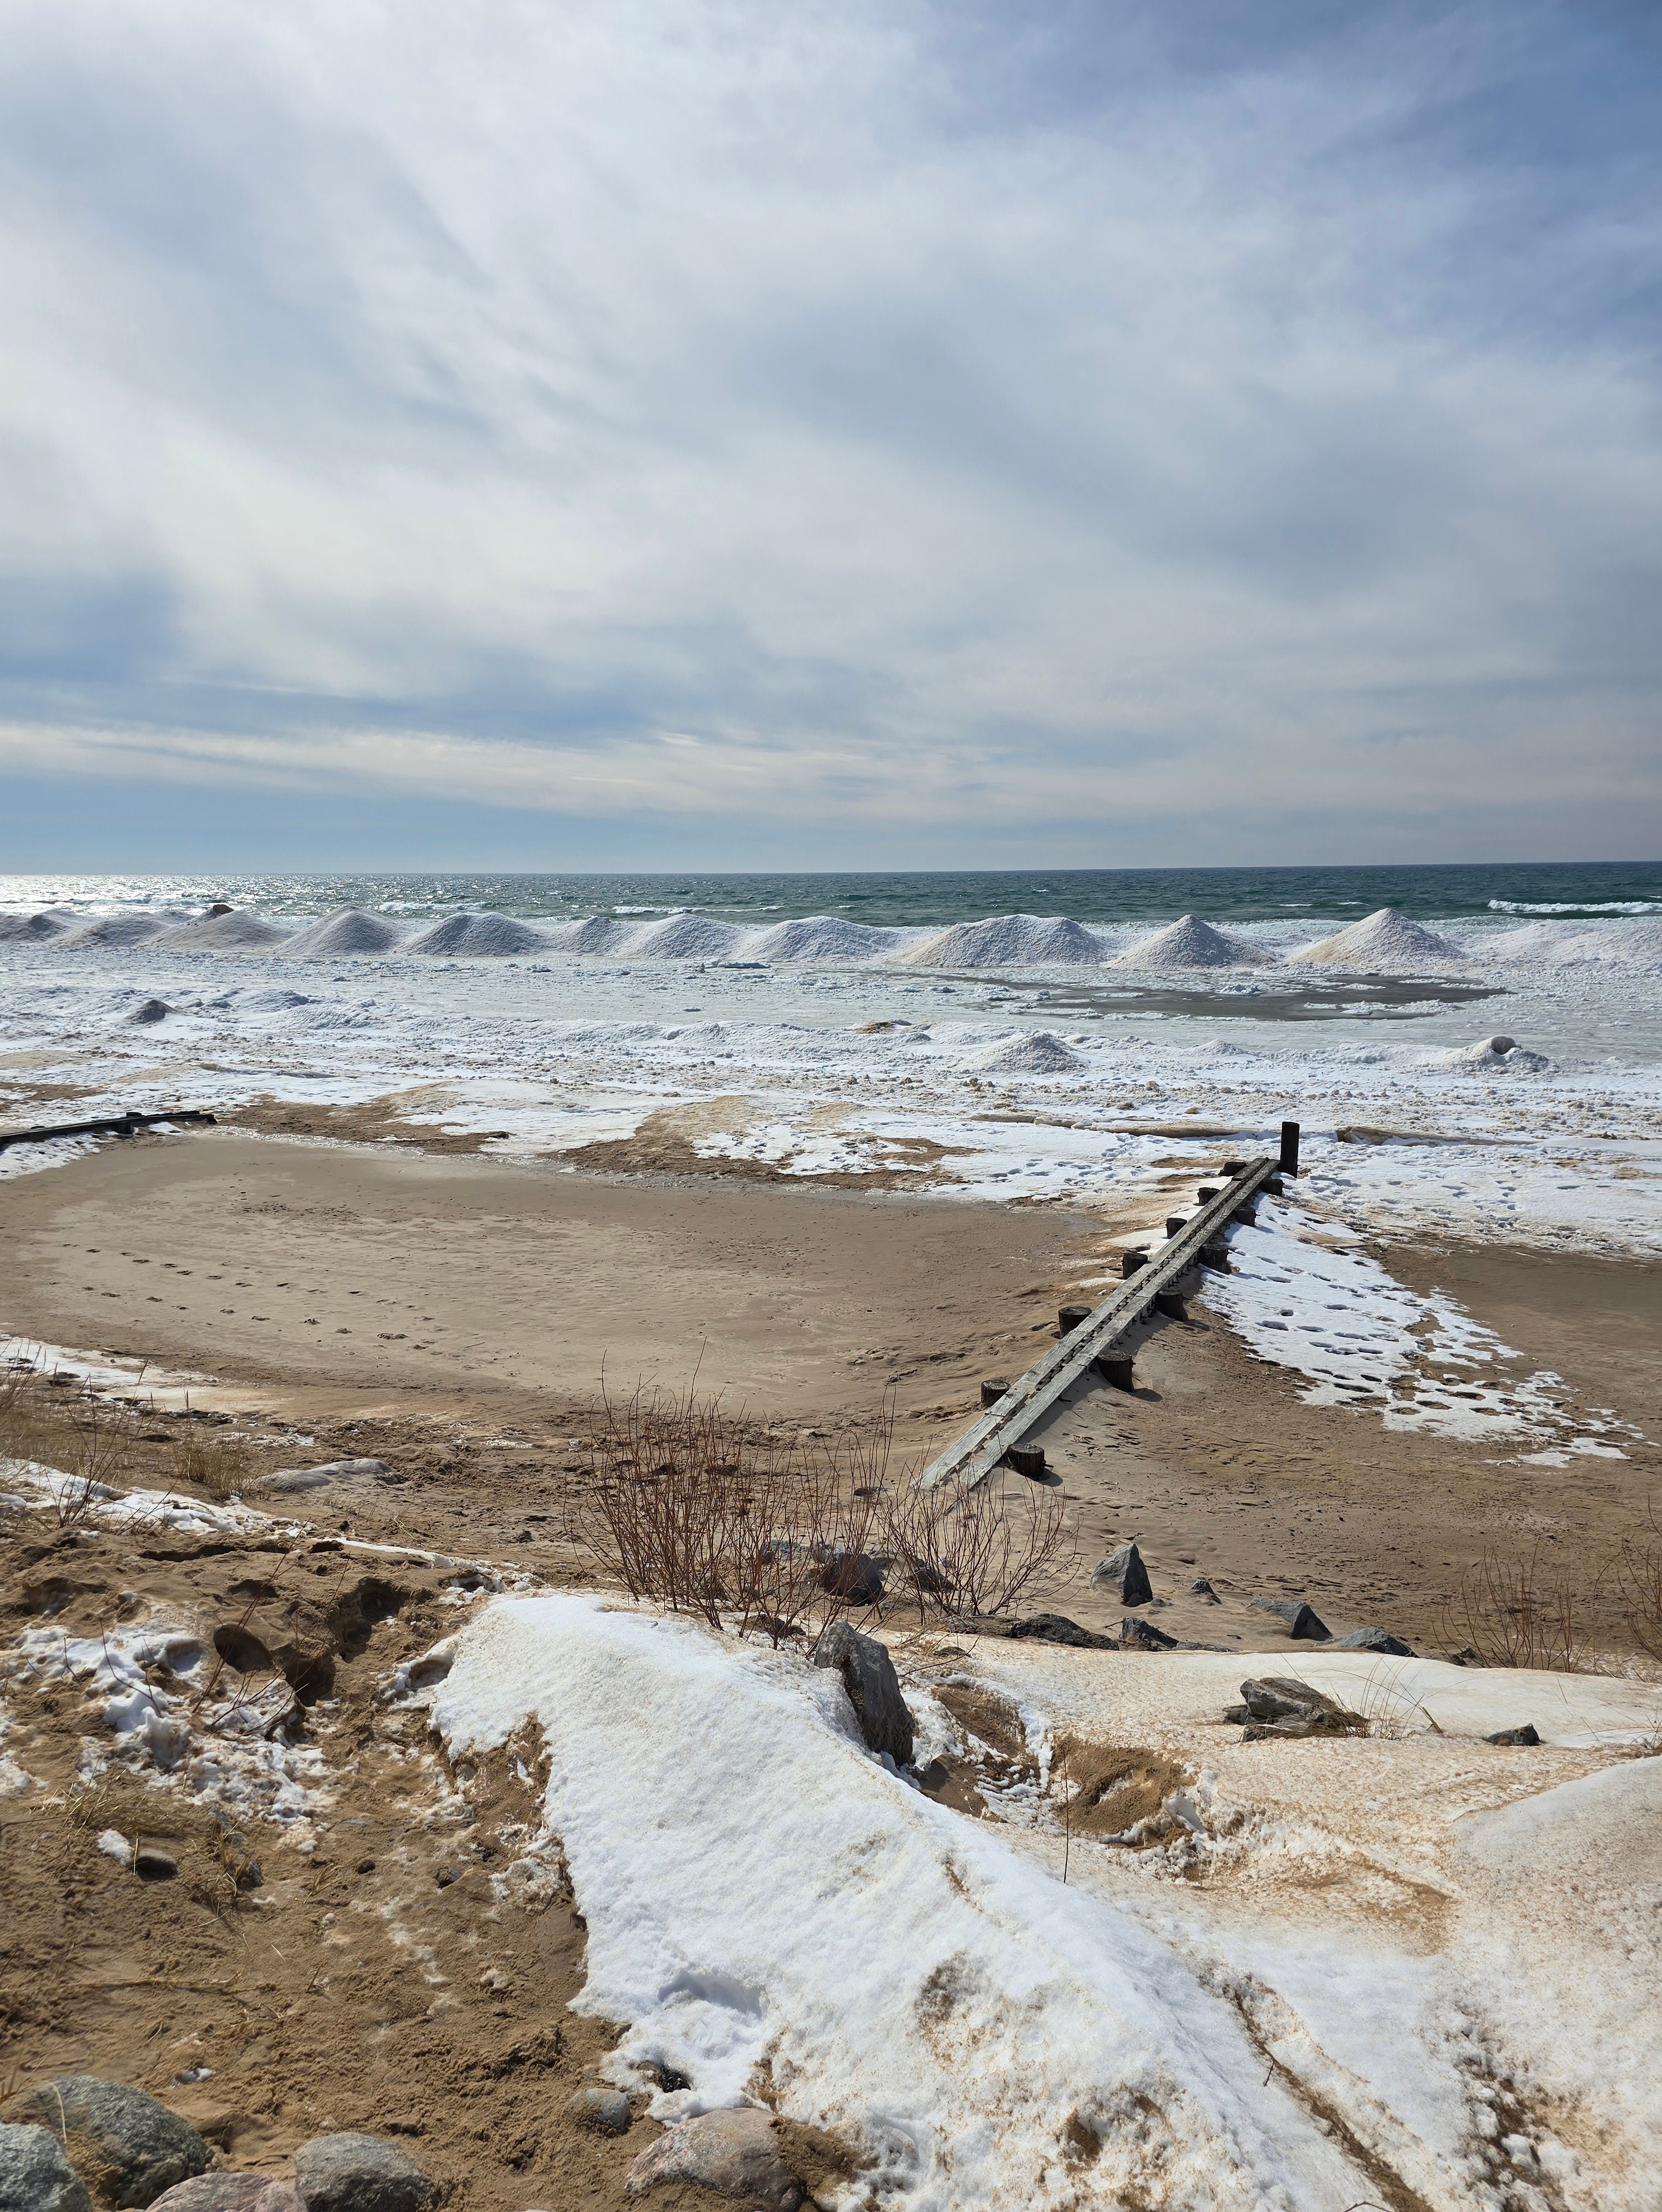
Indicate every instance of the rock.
{"type": "Point", "coordinates": [1467, 1656]}
{"type": "Point", "coordinates": [151, 1864]}
{"type": "Point", "coordinates": [1201, 1588]}
{"type": "Point", "coordinates": [1514, 1735]}
{"type": "Point", "coordinates": [1301, 1621]}
{"type": "Point", "coordinates": [1057, 1628]}
{"type": "Point", "coordinates": [855, 1576]}
{"type": "Point", "coordinates": [360, 2174]}
{"type": "Point", "coordinates": [1374, 1639]}
{"type": "Point", "coordinates": [138, 2146]}
{"type": "Point", "coordinates": [736, 2153]}
{"type": "Point", "coordinates": [606, 2111]}
{"type": "Point", "coordinates": [1123, 1570]}
{"type": "Point", "coordinates": [325, 1477]}
{"type": "Point", "coordinates": [231, 2192]}
{"type": "Point", "coordinates": [1279, 1706]}
{"type": "Point", "coordinates": [152, 1010]}
{"type": "Point", "coordinates": [874, 1688]}
{"type": "Point", "coordinates": [1143, 1636]}
{"type": "Point", "coordinates": [35, 2176]}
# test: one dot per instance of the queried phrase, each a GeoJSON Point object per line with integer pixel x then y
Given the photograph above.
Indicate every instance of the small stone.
{"type": "Point", "coordinates": [734, 2153]}
{"type": "Point", "coordinates": [230, 2192]}
{"type": "Point", "coordinates": [873, 1689]}
{"type": "Point", "coordinates": [151, 1864]}
{"type": "Point", "coordinates": [855, 1576]}
{"type": "Point", "coordinates": [143, 2148]}
{"type": "Point", "coordinates": [1465, 1657]}
{"type": "Point", "coordinates": [1509, 1737]}
{"type": "Point", "coordinates": [1201, 1588]}
{"type": "Point", "coordinates": [1374, 1639]}
{"type": "Point", "coordinates": [1143, 1636]}
{"type": "Point", "coordinates": [1123, 1570]}
{"type": "Point", "coordinates": [1302, 1623]}
{"type": "Point", "coordinates": [360, 2174]}
{"type": "Point", "coordinates": [606, 2111]}
{"type": "Point", "coordinates": [35, 2176]}
{"type": "Point", "coordinates": [334, 1471]}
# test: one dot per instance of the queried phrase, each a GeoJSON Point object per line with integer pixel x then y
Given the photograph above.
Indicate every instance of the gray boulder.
{"type": "Point", "coordinates": [1057, 1628]}
{"type": "Point", "coordinates": [606, 2111]}
{"type": "Point", "coordinates": [142, 2147]}
{"type": "Point", "coordinates": [1374, 1639]}
{"type": "Point", "coordinates": [35, 2176]}
{"type": "Point", "coordinates": [874, 1688]}
{"type": "Point", "coordinates": [736, 2153]}
{"type": "Point", "coordinates": [231, 2192]}
{"type": "Point", "coordinates": [1512, 1737]}
{"type": "Point", "coordinates": [152, 1010]}
{"type": "Point", "coordinates": [1143, 1636]}
{"type": "Point", "coordinates": [1280, 1704]}
{"type": "Point", "coordinates": [1201, 1588]}
{"type": "Point", "coordinates": [360, 2174]}
{"type": "Point", "coordinates": [1123, 1570]}
{"type": "Point", "coordinates": [1301, 1621]}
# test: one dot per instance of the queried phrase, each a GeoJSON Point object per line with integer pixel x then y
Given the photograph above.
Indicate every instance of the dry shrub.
{"type": "Point", "coordinates": [1519, 1612]}
{"type": "Point", "coordinates": [683, 1509]}
{"type": "Point", "coordinates": [56, 1423]}
{"type": "Point", "coordinates": [1639, 1587]}
{"type": "Point", "coordinates": [213, 1459]}
{"type": "Point", "coordinates": [967, 1552]}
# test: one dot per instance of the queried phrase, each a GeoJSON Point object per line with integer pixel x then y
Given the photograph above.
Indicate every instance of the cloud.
{"type": "Point", "coordinates": [893, 417]}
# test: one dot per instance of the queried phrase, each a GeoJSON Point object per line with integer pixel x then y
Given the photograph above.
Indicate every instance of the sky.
{"type": "Point", "coordinates": [872, 434]}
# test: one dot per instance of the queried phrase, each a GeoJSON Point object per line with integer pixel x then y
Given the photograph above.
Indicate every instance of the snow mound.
{"type": "Point", "coordinates": [351, 930]}
{"type": "Point", "coordinates": [823, 937]}
{"type": "Point", "coordinates": [30, 928]}
{"type": "Point", "coordinates": [480, 937]}
{"type": "Point", "coordinates": [1381, 940]}
{"type": "Point", "coordinates": [757, 1887]}
{"type": "Point", "coordinates": [1191, 943]}
{"type": "Point", "coordinates": [1040, 1052]}
{"type": "Point", "coordinates": [1008, 940]}
{"type": "Point", "coordinates": [687, 937]}
{"type": "Point", "coordinates": [602, 933]}
{"type": "Point", "coordinates": [221, 932]}
{"type": "Point", "coordinates": [117, 931]}
{"type": "Point", "coordinates": [1493, 1055]}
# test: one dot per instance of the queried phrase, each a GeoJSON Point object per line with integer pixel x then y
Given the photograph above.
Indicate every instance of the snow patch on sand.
{"type": "Point", "coordinates": [755, 1884]}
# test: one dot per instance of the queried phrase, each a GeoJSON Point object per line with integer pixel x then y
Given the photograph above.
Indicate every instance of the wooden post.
{"type": "Point", "coordinates": [1069, 1317]}
{"type": "Point", "coordinates": [992, 1392]}
{"type": "Point", "coordinates": [1115, 1367]}
{"type": "Point", "coordinates": [1129, 1262]}
{"type": "Point", "coordinates": [1169, 1304]}
{"type": "Point", "coordinates": [1176, 1223]}
{"type": "Point", "coordinates": [1027, 1460]}
{"type": "Point", "coordinates": [1289, 1148]}
{"type": "Point", "coordinates": [1216, 1255]}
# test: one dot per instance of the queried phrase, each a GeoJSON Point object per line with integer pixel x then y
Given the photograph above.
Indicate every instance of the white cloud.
{"type": "Point", "coordinates": [482, 393]}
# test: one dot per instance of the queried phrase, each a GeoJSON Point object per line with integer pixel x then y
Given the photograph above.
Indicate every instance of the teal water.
{"type": "Point", "coordinates": [1505, 894]}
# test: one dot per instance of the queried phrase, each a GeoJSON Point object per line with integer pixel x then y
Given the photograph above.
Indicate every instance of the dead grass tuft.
{"type": "Point", "coordinates": [1518, 1612]}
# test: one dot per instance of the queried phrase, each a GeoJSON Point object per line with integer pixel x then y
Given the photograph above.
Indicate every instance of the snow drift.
{"type": "Point", "coordinates": [236, 932]}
